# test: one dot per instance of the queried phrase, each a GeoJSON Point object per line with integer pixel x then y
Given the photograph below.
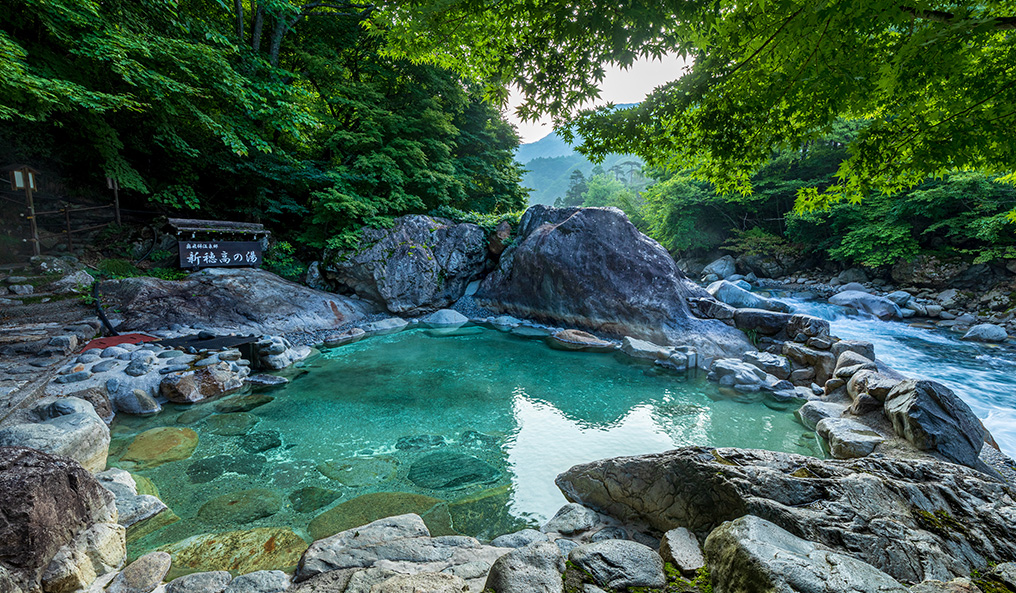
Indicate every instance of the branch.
{"type": "Point", "coordinates": [1001, 23]}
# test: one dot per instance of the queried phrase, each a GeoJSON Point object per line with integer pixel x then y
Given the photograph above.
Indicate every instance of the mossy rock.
{"type": "Point", "coordinates": [239, 552]}
{"type": "Point", "coordinates": [369, 507]}
{"type": "Point", "coordinates": [161, 445]}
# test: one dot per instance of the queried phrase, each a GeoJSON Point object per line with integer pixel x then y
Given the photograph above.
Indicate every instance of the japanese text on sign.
{"type": "Point", "coordinates": [207, 254]}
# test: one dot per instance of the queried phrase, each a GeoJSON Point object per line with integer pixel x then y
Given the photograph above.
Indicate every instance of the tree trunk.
{"type": "Point", "coordinates": [259, 21]}
{"type": "Point", "coordinates": [239, 20]}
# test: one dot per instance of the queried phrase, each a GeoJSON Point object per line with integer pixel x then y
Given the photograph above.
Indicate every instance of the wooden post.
{"type": "Point", "coordinates": [116, 200]}
{"type": "Point", "coordinates": [67, 225]}
{"type": "Point", "coordinates": [31, 217]}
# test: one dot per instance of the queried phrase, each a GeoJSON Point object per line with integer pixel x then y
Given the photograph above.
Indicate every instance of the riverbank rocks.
{"type": "Point", "coordinates": [535, 568]}
{"type": "Point", "coordinates": [577, 340]}
{"type": "Point", "coordinates": [276, 353]}
{"type": "Point", "coordinates": [200, 384]}
{"type": "Point", "coordinates": [934, 419]}
{"type": "Point", "coordinates": [620, 564]}
{"type": "Point", "coordinates": [98, 550]}
{"type": "Point", "coordinates": [368, 508]}
{"type": "Point", "coordinates": [880, 307]}
{"type": "Point", "coordinates": [912, 519]}
{"type": "Point", "coordinates": [419, 265]}
{"type": "Point", "coordinates": [722, 268]}
{"type": "Point", "coordinates": [680, 548]}
{"type": "Point", "coordinates": [847, 438]}
{"type": "Point", "coordinates": [65, 426]}
{"type": "Point", "coordinates": [240, 551]}
{"type": "Point", "coordinates": [591, 268]}
{"type": "Point", "coordinates": [132, 508]}
{"type": "Point", "coordinates": [986, 332]}
{"type": "Point", "coordinates": [571, 519]}
{"type": "Point", "coordinates": [243, 299]}
{"type": "Point", "coordinates": [143, 575]}
{"type": "Point", "coordinates": [751, 554]}
{"type": "Point", "coordinates": [401, 544]}
{"type": "Point", "coordinates": [739, 298]}
{"type": "Point", "coordinates": [47, 501]}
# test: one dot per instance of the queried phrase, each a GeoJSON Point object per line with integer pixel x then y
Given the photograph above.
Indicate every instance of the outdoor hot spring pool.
{"type": "Point", "coordinates": [468, 431]}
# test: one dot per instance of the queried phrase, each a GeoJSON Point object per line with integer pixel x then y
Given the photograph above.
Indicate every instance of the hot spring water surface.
{"type": "Point", "coordinates": [467, 430]}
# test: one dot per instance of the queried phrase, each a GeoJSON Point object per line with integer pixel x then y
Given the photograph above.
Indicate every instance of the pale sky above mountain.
{"type": "Point", "coordinates": [619, 86]}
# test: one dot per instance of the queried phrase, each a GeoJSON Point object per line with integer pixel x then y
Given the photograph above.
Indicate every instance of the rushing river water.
{"type": "Point", "coordinates": [983, 375]}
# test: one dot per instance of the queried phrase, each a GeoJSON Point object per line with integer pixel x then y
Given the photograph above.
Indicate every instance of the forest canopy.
{"type": "Point", "coordinates": [932, 83]}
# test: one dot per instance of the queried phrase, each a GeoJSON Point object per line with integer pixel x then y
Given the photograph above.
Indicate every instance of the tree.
{"type": "Point", "coordinates": [932, 83]}
{"type": "Point", "coordinates": [576, 188]}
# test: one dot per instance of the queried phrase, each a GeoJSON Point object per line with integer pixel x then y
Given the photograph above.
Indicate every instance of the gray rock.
{"type": "Point", "coordinates": [418, 265]}
{"type": "Point", "coordinates": [737, 297]}
{"type": "Point", "coordinates": [143, 575]}
{"type": "Point", "coordinates": [913, 519]}
{"type": "Point", "coordinates": [900, 297]}
{"type": "Point", "coordinates": [569, 519]}
{"type": "Point", "coordinates": [933, 418]}
{"type": "Point", "coordinates": [680, 548]}
{"type": "Point", "coordinates": [852, 275]}
{"type": "Point", "coordinates": [761, 321]}
{"type": "Point", "coordinates": [200, 582]}
{"type": "Point", "coordinates": [65, 426]}
{"type": "Point", "coordinates": [847, 438]}
{"type": "Point", "coordinates": [73, 377]}
{"type": "Point", "coordinates": [131, 507]}
{"type": "Point", "coordinates": [865, 349]}
{"type": "Point", "coordinates": [105, 365]}
{"type": "Point", "coordinates": [21, 289]}
{"type": "Point", "coordinates": [773, 364]}
{"type": "Point", "coordinates": [597, 272]}
{"type": "Point", "coordinates": [536, 568]}
{"type": "Point", "coordinates": [618, 563]}
{"type": "Point", "coordinates": [1006, 572]}
{"type": "Point", "coordinates": [314, 279]}
{"type": "Point", "coordinates": [723, 267]}
{"type": "Point", "coordinates": [347, 337]}
{"type": "Point", "coordinates": [330, 553]}
{"type": "Point", "coordinates": [386, 326]}
{"type": "Point", "coordinates": [643, 349]}
{"type": "Point", "coordinates": [853, 286]}
{"type": "Point", "coordinates": [986, 332]}
{"type": "Point", "coordinates": [752, 554]}
{"type": "Point", "coordinates": [519, 539]}
{"type": "Point", "coordinates": [566, 545]}
{"type": "Point", "coordinates": [261, 581]}
{"type": "Point", "coordinates": [445, 318]}
{"type": "Point", "coordinates": [811, 413]}
{"type": "Point", "coordinates": [425, 582]}
{"type": "Point", "coordinates": [880, 307]}
{"type": "Point", "coordinates": [244, 299]}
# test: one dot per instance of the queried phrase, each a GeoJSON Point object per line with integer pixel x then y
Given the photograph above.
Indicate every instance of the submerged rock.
{"type": "Point", "coordinates": [368, 508]}
{"type": "Point", "coordinates": [912, 519]}
{"type": "Point", "coordinates": [237, 508]}
{"type": "Point", "coordinates": [591, 268]}
{"type": "Point", "coordinates": [356, 472]}
{"type": "Point", "coordinates": [161, 445]}
{"type": "Point", "coordinates": [418, 265]}
{"type": "Point", "coordinates": [312, 498]}
{"type": "Point", "coordinates": [239, 551]}
{"type": "Point", "coordinates": [448, 470]}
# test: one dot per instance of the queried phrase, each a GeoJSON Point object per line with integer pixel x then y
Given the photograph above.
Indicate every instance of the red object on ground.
{"type": "Point", "coordinates": [117, 340]}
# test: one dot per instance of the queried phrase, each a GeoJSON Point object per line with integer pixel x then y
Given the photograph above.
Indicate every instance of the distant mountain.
{"type": "Point", "coordinates": [550, 162]}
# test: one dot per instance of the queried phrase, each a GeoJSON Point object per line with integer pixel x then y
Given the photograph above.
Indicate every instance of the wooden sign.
{"type": "Point", "coordinates": [197, 253]}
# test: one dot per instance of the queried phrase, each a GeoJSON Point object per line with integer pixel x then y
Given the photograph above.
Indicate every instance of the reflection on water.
{"type": "Point", "coordinates": [983, 375]}
{"type": "Point", "coordinates": [478, 425]}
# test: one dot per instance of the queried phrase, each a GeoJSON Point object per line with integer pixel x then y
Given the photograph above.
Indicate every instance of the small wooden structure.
{"type": "Point", "coordinates": [218, 243]}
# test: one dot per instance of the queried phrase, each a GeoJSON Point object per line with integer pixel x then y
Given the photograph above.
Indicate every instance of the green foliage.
{"type": "Point", "coordinates": [280, 258]}
{"type": "Point", "coordinates": [929, 84]}
{"type": "Point", "coordinates": [166, 273]}
{"type": "Point", "coordinates": [488, 222]}
{"type": "Point", "coordinates": [117, 268]}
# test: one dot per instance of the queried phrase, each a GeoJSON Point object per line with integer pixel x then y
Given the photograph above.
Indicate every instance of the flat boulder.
{"type": "Point", "coordinates": [240, 551]}
{"type": "Point", "coordinates": [620, 564]}
{"type": "Point", "coordinates": [161, 445]}
{"type": "Point", "coordinates": [591, 268]}
{"type": "Point", "coordinates": [880, 307]}
{"type": "Point", "coordinates": [912, 519]}
{"type": "Point", "coordinates": [369, 508]}
{"type": "Point", "coordinates": [934, 419]}
{"type": "Point", "coordinates": [750, 554]}
{"type": "Point", "coordinates": [65, 426]}
{"type": "Point", "coordinates": [246, 300]}
{"type": "Point", "coordinates": [578, 340]}
{"type": "Point", "coordinates": [986, 332]}
{"type": "Point", "coordinates": [739, 298]}
{"type": "Point", "coordinates": [420, 264]}
{"type": "Point", "coordinates": [445, 470]}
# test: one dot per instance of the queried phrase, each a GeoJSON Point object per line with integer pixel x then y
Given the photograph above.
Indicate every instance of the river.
{"type": "Point", "coordinates": [983, 375]}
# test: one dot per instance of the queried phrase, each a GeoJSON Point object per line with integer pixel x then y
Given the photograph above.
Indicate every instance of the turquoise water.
{"type": "Point", "coordinates": [483, 422]}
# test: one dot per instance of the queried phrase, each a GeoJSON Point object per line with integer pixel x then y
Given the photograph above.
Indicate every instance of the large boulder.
{"type": "Point", "coordinates": [749, 555]}
{"type": "Point", "coordinates": [620, 564]}
{"type": "Point", "coordinates": [737, 297]}
{"type": "Point", "coordinates": [986, 332]}
{"type": "Point", "coordinates": [46, 502]}
{"type": "Point", "coordinates": [912, 519]}
{"type": "Point", "coordinates": [239, 299]}
{"type": "Point", "coordinates": [880, 307]}
{"type": "Point", "coordinates": [535, 568]}
{"type": "Point", "coordinates": [723, 267]}
{"type": "Point", "coordinates": [928, 271]}
{"type": "Point", "coordinates": [62, 426]}
{"type": "Point", "coordinates": [419, 265]}
{"type": "Point", "coordinates": [591, 268]}
{"type": "Point", "coordinates": [933, 418]}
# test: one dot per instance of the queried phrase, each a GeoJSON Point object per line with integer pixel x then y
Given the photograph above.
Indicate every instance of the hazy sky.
{"type": "Point", "coordinates": [619, 86]}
